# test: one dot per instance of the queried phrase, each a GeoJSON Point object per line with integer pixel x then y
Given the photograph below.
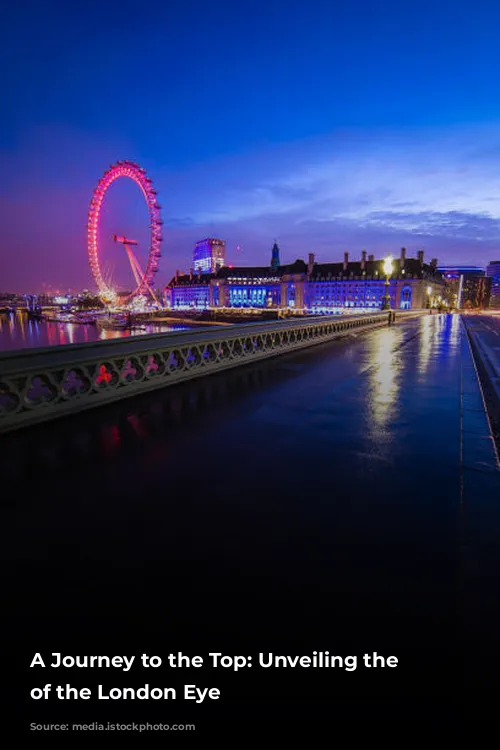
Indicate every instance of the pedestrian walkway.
{"type": "Point", "coordinates": [481, 517]}
{"type": "Point", "coordinates": [485, 332]}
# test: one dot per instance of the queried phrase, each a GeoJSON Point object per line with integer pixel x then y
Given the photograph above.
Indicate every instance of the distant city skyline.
{"type": "Point", "coordinates": [327, 129]}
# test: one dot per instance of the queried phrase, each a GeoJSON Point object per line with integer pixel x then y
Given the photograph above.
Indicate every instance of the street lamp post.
{"type": "Point", "coordinates": [386, 301]}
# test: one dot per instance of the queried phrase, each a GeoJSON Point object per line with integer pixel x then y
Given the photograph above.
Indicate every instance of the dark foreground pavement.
{"type": "Point", "coordinates": [342, 499]}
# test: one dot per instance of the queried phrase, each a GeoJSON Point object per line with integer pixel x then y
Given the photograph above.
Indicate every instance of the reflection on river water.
{"type": "Point", "coordinates": [17, 332]}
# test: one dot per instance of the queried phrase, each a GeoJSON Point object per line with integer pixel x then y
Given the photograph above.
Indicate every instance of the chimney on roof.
{"type": "Point", "coordinates": [371, 258]}
{"type": "Point", "coordinates": [310, 264]}
{"type": "Point", "coordinates": [176, 274]}
{"type": "Point", "coordinates": [346, 260]}
{"type": "Point", "coordinates": [403, 256]}
{"type": "Point", "coordinates": [420, 256]}
{"type": "Point", "coordinates": [363, 260]}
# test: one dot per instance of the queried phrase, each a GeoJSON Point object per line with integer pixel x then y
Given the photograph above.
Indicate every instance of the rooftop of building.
{"type": "Point", "coordinates": [211, 239]}
{"type": "Point", "coordinates": [189, 279]}
{"type": "Point", "coordinates": [460, 268]}
{"type": "Point", "coordinates": [261, 272]}
{"type": "Point", "coordinates": [450, 271]}
{"type": "Point", "coordinates": [410, 267]}
{"type": "Point", "coordinates": [402, 267]}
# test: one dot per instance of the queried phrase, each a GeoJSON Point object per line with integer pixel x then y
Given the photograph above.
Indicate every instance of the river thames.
{"type": "Point", "coordinates": [17, 332]}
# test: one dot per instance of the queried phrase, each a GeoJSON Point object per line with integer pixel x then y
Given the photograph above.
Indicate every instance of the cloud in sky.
{"type": "Point", "coordinates": [433, 189]}
{"type": "Point", "coordinates": [352, 178]}
{"type": "Point", "coordinates": [438, 190]}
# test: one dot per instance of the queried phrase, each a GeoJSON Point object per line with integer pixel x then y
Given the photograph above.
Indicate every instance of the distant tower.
{"type": "Point", "coordinates": [275, 257]}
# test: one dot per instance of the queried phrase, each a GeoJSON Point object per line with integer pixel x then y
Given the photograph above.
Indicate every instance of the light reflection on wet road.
{"type": "Point", "coordinates": [312, 494]}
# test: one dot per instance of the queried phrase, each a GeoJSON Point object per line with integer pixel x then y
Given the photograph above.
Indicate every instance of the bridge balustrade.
{"type": "Point", "coordinates": [42, 384]}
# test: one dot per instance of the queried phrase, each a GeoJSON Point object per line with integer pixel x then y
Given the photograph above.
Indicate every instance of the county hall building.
{"type": "Point", "coordinates": [348, 286]}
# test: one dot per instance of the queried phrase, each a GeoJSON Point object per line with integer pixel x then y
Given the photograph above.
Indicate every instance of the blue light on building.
{"type": "Point", "coordinates": [209, 255]}
{"type": "Point", "coordinates": [243, 296]}
{"type": "Point", "coordinates": [188, 296]}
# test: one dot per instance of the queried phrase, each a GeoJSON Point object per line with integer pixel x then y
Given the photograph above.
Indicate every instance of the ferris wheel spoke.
{"type": "Point", "coordinates": [134, 265]}
{"type": "Point", "coordinates": [139, 275]}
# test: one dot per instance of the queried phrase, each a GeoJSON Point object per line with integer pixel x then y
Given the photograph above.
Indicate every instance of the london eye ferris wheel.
{"type": "Point", "coordinates": [143, 278]}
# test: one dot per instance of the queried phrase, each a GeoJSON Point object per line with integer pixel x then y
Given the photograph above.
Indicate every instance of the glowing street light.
{"type": "Point", "coordinates": [386, 302]}
{"type": "Point", "coordinates": [388, 265]}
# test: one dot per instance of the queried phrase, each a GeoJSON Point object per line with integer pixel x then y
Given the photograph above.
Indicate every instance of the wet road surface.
{"type": "Point", "coordinates": [341, 498]}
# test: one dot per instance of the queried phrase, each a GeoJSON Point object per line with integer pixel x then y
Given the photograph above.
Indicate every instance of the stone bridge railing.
{"type": "Point", "coordinates": [41, 384]}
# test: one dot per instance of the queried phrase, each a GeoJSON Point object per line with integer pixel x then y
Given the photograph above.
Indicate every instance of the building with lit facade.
{"type": "Point", "coordinates": [318, 288]}
{"type": "Point", "coordinates": [209, 255]}
{"type": "Point", "coordinates": [468, 286]}
{"type": "Point", "coordinates": [493, 273]}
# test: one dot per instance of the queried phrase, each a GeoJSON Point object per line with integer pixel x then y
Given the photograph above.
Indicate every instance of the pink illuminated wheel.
{"type": "Point", "coordinates": [136, 173]}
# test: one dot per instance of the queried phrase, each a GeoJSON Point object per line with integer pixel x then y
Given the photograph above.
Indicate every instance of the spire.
{"type": "Point", "coordinates": [275, 257]}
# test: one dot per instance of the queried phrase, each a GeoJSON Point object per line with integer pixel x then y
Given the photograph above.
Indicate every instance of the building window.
{"type": "Point", "coordinates": [405, 300]}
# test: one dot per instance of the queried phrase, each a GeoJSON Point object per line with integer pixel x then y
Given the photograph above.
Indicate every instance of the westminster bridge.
{"type": "Point", "coordinates": [42, 384]}
{"type": "Point", "coordinates": [339, 496]}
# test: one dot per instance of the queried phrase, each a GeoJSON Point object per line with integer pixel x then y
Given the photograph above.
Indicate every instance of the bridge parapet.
{"type": "Point", "coordinates": [41, 384]}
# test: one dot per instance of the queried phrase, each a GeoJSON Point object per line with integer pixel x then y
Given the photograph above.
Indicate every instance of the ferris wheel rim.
{"type": "Point", "coordinates": [137, 174]}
